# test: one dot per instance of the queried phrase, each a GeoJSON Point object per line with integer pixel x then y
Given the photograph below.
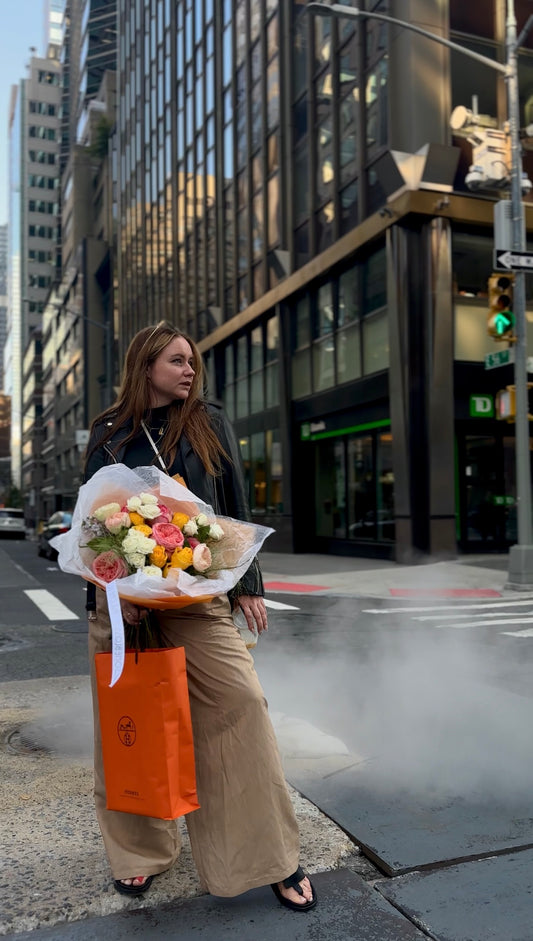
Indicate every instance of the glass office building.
{"type": "Point", "coordinates": [290, 193]}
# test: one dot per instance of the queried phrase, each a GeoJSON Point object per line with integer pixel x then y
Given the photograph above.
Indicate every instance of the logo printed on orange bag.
{"type": "Point", "coordinates": [127, 732]}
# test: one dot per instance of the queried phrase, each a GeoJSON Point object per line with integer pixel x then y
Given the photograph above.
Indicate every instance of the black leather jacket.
{"type": "Point", "coordinates": [225, 493]}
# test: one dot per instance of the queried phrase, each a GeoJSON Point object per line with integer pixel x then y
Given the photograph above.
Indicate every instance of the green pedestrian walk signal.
{"type": "Point", "coordinates": [501, 321]}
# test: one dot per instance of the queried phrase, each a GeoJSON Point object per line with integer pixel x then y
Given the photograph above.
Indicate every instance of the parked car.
{"type": "Point", "coordinates": [12, 522]}
{"type": "Point", "coordinates": [59, 522]}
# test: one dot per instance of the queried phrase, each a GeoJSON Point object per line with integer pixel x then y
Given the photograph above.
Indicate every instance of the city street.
{"type": "Point", "coordinates": [407, 722]}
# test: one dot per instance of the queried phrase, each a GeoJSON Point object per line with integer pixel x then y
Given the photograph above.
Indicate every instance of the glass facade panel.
{"type": "Point", "coordinates": [330, 489]}
{"type": "Point", "coordinates": [301, 374]}
{"type": "Point", "coordinates": [361, 488]}
{"type": "Point", "coordinates": [348, 345]}
{"type": "Point", "coordinates": [376, 342]}
{"type": "Point", "coordinates": [258, 473]}
{"type": "Point", "coordinates": [323, 364]}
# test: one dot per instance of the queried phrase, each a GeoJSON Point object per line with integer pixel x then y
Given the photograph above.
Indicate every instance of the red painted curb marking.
{"type": "Point", "coordinates": [293, 586]}
{"type": "Point", "coordinates": [445, 592]}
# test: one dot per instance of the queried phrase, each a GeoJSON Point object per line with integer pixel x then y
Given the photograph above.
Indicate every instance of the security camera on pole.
{"type": "Point", "coordinates": [520, 556]}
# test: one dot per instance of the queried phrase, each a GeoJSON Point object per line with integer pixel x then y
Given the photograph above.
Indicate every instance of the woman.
{"type": "Point", "coordinates": [245, 834]}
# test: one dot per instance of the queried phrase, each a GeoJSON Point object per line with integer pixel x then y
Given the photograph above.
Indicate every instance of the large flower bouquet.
{"type": "Point", "coordinates": [162, 545]}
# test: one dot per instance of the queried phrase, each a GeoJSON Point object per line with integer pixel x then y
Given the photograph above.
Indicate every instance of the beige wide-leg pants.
{"type": "Point", "coordinates": [245, 833]}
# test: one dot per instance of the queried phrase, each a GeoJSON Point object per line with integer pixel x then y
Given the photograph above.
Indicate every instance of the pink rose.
{"type": "Point", "coordinates": [109, 565]}
{"type": "Point", "coordinates": [165, 515]}
{"type": "Point", "coordinates": [201, 557]}
{"type": "Point", "coordinates": [193, 542]}
{"type": "Point", "coordinates": [168, 535]}
{"type": "Point", "coordinates": [118, 521]}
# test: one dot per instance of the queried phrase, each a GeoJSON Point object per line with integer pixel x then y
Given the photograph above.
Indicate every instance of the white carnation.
{"type": "Point", "coordinates": [148, 498]}
{"type": "Point", "coordinates": [134, 503]}
{"type": "Point", "coordinates": [202, 520]}
{"type": "Point", "coordinates": [190, 528]}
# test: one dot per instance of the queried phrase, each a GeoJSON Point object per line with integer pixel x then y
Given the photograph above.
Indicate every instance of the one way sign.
{"type": "Point", "coordinates": [513, 261]}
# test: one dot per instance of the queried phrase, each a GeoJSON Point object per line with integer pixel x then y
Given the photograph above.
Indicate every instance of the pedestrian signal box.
{"type": "Point", "coordinates": [506, 404]}
{"type": "Point", "coordinates": [501, 321]}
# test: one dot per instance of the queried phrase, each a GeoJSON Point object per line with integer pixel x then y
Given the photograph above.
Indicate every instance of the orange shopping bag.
{"type": "Point", "coordinates": [147, 741]}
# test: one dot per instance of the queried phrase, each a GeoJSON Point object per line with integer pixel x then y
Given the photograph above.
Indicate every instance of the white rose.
{"type": "Point", "coordinates": [134, 541]}
{"type": "Point", "coordinates": [135, 559]}
{"type": "Point", "coordinates": [102, 512]}
{"type": "Point", "coordinates": [148, 498]}
{"type": "Point", "coordinates": [190, 528]}
{"type": "Point", "coordinates": [152, 570]}
{"type": "Point", "coordinates": [202, 520]}
{"type": "Point", "coordinates": [149, 511]}
{"type": "Point", "coordinates": [134, 503]}
{"type": "Point", "coordinates": [215, 531]}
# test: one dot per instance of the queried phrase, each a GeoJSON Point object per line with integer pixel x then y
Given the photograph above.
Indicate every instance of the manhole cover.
{"type": "Point", "coordinates": [20, 744]}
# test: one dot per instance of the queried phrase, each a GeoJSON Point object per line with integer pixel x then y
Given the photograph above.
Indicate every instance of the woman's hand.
{"type": "Point", "coordinates": [254, 610]}
{"type": "Point", "coordinates": [131, 613]}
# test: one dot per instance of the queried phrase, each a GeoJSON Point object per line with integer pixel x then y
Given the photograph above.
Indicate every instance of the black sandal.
{"type": "Point", "coordinates": [132, 889]}
{"type": "Point", "coordinates": [293, 882]}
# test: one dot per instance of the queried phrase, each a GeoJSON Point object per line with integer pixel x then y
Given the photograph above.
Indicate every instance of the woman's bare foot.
{"type": "Point", "coordinates": [134, 886]}
{"type": "Point", "coordinates": [293, 896]}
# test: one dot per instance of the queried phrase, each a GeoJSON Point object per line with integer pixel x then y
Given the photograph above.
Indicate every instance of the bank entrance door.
{"type": "Point", "coordinates": [486, 493]}
{"type": "Point", "coordinates": [354, 489]}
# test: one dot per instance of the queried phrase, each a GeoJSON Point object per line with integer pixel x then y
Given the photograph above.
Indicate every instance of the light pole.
{"type": "Point", "coordinates": [520, 556]}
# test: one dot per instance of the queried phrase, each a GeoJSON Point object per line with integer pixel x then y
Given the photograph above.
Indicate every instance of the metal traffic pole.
{"type": "Point", "coordinates": [520, 574]}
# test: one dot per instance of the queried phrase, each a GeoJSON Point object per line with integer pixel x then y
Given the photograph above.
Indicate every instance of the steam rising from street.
{"type": "Point", "coordinates": [416, 707]}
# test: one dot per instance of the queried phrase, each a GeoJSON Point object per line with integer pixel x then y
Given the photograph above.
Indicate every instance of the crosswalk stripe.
{"type": "Point", "coordinates": [279, 606]}
{"type": "Point", "coordinates": [527, 633]}
{"type": "Point", "coordinates": [51, 607]}
{"type": "Point", "coordinates": [451, 607]}
{"type": "Point", "coordinates": [457, 617]}
{"type": "Point", "coordinates": [497, 623]}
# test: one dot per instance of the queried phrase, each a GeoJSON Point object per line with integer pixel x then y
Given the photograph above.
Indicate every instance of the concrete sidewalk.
{"type": "Point", "coordinates": [482, 575]}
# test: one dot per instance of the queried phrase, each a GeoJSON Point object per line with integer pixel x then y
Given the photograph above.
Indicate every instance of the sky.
{"type": "Point", "coordinates": [22, 27]}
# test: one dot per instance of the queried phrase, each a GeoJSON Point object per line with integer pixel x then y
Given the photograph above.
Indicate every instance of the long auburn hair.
{"type": "Point", "coordinates": [133, 402]}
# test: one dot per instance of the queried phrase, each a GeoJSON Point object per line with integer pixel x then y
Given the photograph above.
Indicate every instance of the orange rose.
{"type": "Point", "coordinates": [136, 518]}
{"type": "Point", "coordinates": [159, 557]}
{"type": "Point", "coordinates": [179, 519]}
{"type": "Point", "coordinates": [181, 558]}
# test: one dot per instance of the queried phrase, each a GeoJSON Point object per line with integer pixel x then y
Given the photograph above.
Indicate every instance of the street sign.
{"type": "Point", "coordinates": [513, 261]}
{"type": "Point", "coordinates": [501, 358]}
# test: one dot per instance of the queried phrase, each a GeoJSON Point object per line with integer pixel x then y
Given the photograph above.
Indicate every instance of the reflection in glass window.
{"type": "Point", "coordinates": [274, 211]}
{"type": "Point", "coordinates": [376, 102]}
{"type": "Point", "coordinates": [348, 309]}
{"type": "Point", "coordinates": [323, 364]}
{"type": "Point", "coordinates": [348, 349]}
{"type": "Point", "coordinates": [376, 342]}
{"type": "Point", "coordinates": [273, 94]}
{"type": "Point", "coordinates": [258, 473]}
{"type": "Point", "coordinates": [330, 489]}
{"type": "Point", "coordinates": [324, 310]}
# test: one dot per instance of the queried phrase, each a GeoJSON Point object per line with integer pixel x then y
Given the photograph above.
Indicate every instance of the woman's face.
{"type": "Point", "coordinates": [171, 374]}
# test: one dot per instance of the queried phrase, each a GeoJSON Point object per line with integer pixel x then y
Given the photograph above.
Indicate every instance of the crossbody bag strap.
{"type": "Point", "coordinates": [154, 446]}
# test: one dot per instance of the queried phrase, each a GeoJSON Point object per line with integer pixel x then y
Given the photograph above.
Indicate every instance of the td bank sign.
{"type": "Point", "coordinates": [481, 406]}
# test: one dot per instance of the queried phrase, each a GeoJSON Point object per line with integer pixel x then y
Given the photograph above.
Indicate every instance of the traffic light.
{"type": "Point", "coordinates": [501, 321]}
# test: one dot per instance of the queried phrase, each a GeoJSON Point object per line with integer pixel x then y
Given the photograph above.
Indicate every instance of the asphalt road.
{"type": "Point", "coordinates": [422, 713]}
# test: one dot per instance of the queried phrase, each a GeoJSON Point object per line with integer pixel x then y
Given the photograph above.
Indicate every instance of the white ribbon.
{"type": "Point", "coordinates": [118, 643]}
